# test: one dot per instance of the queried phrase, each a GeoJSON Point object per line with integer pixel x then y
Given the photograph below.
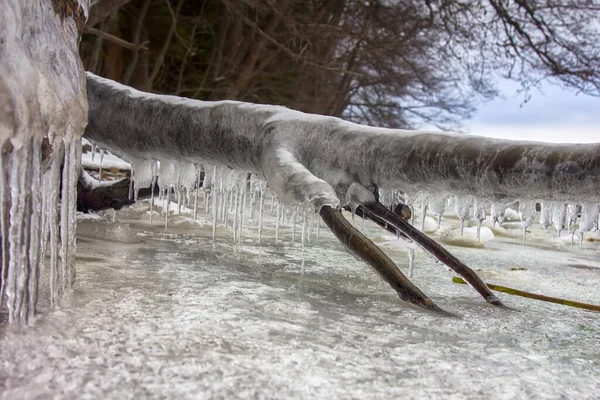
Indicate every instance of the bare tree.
{"type": "Point", "coordinates": [397, 64]}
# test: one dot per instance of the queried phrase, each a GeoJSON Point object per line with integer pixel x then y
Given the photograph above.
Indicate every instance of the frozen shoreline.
{"type": "Point", "coordinates": [171, 315]}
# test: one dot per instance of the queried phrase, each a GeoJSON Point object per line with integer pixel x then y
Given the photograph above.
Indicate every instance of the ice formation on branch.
{"type": "Point", "coordinates": [43, 111]}
{"type": "Point", "coordinates": [331, 163]}
{"type": "Point", "coordinates": [316, 158]}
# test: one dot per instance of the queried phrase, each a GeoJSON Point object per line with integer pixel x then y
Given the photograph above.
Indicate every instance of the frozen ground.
{"type": "Point", "coordinates": [170, 315]}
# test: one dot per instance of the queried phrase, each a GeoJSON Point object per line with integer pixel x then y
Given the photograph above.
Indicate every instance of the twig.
{"type": "Point", "coordinates": [292, 54]}
{"type": "Point", "coordinates": [160, 58]}
{"type": "Point", "coordinates": [363, 248]}
{"type": "Point", "coordinates": [530, 295]}
{"type": "Point", "coordinates": [379, 211]}
{"type": "Point", "coordinates": [136, 40]}
{"type": "Point", "coordinates": [115, 39]}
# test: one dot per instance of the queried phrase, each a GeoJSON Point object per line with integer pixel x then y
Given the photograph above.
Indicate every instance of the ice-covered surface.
{"type": "Point", "coordinates": [174, 316]}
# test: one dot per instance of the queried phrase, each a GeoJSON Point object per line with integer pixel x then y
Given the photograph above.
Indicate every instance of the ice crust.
{"type": "Point", "coordinates": [176, 316]}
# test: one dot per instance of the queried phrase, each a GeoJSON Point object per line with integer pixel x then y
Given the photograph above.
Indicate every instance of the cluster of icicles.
{"type": "Point", "coordinates": [558, 214]}
{"type": "Point", "coordinates": [39, 196]}
{"type": "Point", "coordinates": [228, 194]}
{"type": "Point", "coordinates": [38, 216]}
{"type": "Point", "coordinates": [231, 198]}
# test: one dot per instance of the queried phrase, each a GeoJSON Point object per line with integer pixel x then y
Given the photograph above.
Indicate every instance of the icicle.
{"type": "Point", "coordinates": [130, 194]}
{"type": "Point", "coordinates": [572, 216]}
{"type": "Point", "coordinates": [101, 160]}
{"type": "Point", "coordinates": [284, 212]}
{"type": "Point", "coordinates": [24, 200]}
{"type": "Point", "coordinates": [35, 254]}
{"type": "Point", "coordinates": [546, 215]}
{"type": "Point", "coordinates": [53, 199]}
{"type": "Point", "coordinates": [310, 226]}
{"type": "Point", "coordinates": [272, 201]}
{"type": "Point", "coordinates": [424, 207]}
{"type": "Point", "coordinates": [24, 217]}
{"type": "Point", "coordinates": [67, 200]}
{"type": "Point", "coordinates": [254, 188]}
{"type": "Point", "coordinates": [411, 262]}
{"type": "Point", "coordinates": [177, 190]}
{"type": "Point", "coordinates": [4, 220]}
{"type": "Point", "coordinates": [559, 216]}
{"type": "Point", "coordinates": [243, 203]}
{"type": "Point", "coordinates": [462, 206]}
{"type": "Point", "coordinates": [221, 193]}
{"type": "Point", "coordinates": [154, 171]}
{"type": "Point", "coordinates": [198, 175]}
{"type": "Point", "coordinates": [497, 213]}
{"type": "Point", "coordinates": [94, 147]}
{"type": "Point", "coordinates": [303, 236]}
{"type": "Point", "coordinates": [479, 216]}
{"type": "Point", "coordinates": [277, 223]}
{"type": "Point", "coordinates": [318, 228]}
{"type": "Point", "coordinates": [18, 195]}
{"type": "Point", "coordinates": [294, 208]}
{"type": "Point", "coordinates": [437, 206]}
{"type": "Point", "coordinates": [207, 189]}
{"type": "Point", "coordinates": [75, 165]}
{"type": "Point", "coordinates": [527, 213]}
{"type": "Point", "coordinates": [228, 201]}
{"type": "Point", "coordinates": [213, 184]}
{"type": "Point", "coordinates": [167, 205]}
{"type": "Point", "coordinates": [235, 212]}
{"type": "Point", "coordinates": [261, 211]}
{"type": "Point", "coordinates": [589, 220]}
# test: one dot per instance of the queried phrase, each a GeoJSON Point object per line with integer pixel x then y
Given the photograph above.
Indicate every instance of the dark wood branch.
{"type": "Point", "coordinates": [136, 42]}
{"type": "Point", "coordinates": [160, 59]}
{"type": "Point", "coordinates": [378, 210]}
{"type": "Point", "coordinates": [359, 245]}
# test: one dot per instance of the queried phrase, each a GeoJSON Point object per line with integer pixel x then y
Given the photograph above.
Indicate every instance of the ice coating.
{"type": "Point", "coordinates": [357, 195]}
{"type": "Point", "coordinates": [589, 217]}
{"type": "Point", "coordinates": [43, 111]}
{"type": "Point", "coordinates": [559, 216]}
{"type": "Point", "coordinates": [424, 208]}
{"type": "Point", "coordinates": [437, 206]}
{"type": "Point", "coordinates": [479, 215]}
{"type": "Point", "coordinates": [144, 174]}
{"type": "Point", "coordinates": [325, 152]}
{"type": "Point", "coordinates": [527, 214]}
{"type": "Point", "coordinates": [572, 215]}
{"type": "Point", "coordinates": [546, 214]}
{"type": "Point", "coordinates": [462, 207]}
{"type": "Point", "coordinates": [497, 212]}
{"type": "Point", "coordinates": [589, 220]}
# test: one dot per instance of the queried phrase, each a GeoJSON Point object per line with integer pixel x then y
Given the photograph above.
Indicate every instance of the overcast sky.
{"type": "Point", "coordinates": [552, 115]}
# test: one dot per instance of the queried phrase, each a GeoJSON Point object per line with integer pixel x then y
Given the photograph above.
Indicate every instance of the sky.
{"type": "Point", "coordinates": [553, 115]}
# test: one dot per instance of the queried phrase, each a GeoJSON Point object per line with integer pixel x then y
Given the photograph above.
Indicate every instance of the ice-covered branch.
{"type": "Point", "coordinates": [248, 136]}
